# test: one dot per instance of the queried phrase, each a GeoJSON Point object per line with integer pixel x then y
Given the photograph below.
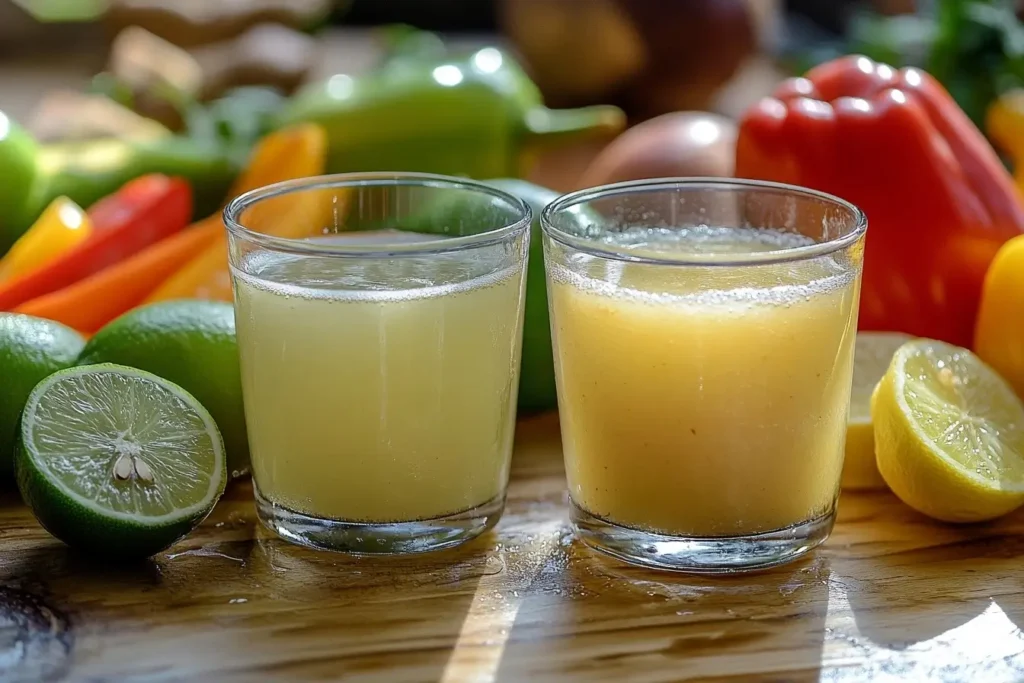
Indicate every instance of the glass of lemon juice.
{"type": "Point", "coordinates": [380, 344]}
{"type": "Point", "coordinates": [704, 334]}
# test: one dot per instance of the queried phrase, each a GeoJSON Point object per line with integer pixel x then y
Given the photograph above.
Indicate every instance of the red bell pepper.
{"type": "Point", "coordinates": [939, 202]}
{"type": "Point", "coordinates": [141, 213]}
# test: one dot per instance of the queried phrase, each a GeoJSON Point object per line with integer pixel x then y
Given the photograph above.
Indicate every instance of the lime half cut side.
{"type": "Point", "coordinates": [118, 461]}
{"type": "Point", "coordinates": [949, 433]}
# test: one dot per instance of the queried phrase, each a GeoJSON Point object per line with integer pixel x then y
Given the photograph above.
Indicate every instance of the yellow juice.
{"type": "Point", "coordinates": [704, 401]}
{"type": "Point", "coordinates": [380, 392]}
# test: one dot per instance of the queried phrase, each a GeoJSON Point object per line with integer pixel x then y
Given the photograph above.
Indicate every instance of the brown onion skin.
{"type": "Point", "coordinates": [680, 144]}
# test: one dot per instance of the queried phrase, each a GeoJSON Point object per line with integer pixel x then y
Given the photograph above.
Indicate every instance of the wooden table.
{"type": "Point", "coordinates": [892, 596]}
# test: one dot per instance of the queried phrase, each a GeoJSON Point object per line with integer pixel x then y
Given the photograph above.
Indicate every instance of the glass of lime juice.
{"type": "Point", "coordinates": [704, 334]}
{"type": "Point", "coordinates": [379, 321]}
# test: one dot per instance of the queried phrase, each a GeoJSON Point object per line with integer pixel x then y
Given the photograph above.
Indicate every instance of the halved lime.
{"type": "Point", "coordinates": [118, 461]}
{"type": "Point", "coordinates": [191, 343]}
{"type": "Point", "coordinates": [949, 433]}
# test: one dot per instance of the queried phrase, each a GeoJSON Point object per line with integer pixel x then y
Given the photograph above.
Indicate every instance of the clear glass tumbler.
{"type": "Point", "coordinates": [704, 334]}
{"type": "Point", "coordinates": [379, 320]}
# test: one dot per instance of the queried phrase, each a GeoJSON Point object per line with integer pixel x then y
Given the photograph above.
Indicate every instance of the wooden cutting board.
{"type": "Point", "coordinates": [892, 596]}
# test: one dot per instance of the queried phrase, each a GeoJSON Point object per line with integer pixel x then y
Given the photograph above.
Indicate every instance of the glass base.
{"type": "Point", "coordinates": [392, 538]}
{"type": "Point", "coordinates": [701, 555]}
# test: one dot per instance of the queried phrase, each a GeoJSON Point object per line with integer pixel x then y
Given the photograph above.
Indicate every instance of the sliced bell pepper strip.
{"type": "Point", "coordinates": [293, 152]}
{"type": "Point", "coordinates": [60, 228]}
{"type": "Point", "coordinates": [939, 202]}
{"type": "Point", "coordinates": [92, 302]}
{"type": "Point", "coordinates": [139, 214]}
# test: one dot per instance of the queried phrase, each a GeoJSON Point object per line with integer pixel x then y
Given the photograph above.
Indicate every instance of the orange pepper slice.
{"type": "Point", "coordinates": [294, 152]}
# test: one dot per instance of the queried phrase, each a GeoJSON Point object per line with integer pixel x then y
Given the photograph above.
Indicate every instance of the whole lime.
{"type": "Point", "coordinates": [191, 343]}
{"type": "Point", "coordinates": [19, 172]}
{"type": "Point", "coordinates": [30, 350]}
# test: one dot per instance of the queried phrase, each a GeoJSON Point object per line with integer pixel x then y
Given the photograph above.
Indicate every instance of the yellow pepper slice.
{"type": "Point", "coordinates": [294, 152]}
{"type": "Point", "coordinates": [60, 228]}
{"type": "Point", "coordinates": [999, 332]}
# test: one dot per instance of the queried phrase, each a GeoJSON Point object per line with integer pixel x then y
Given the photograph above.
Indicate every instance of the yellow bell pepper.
{"type": "Point", "coordinates": [999, 332]}
{"type": "Point", "coordinates": [295, 152]}
{"type": "Point", "coordinates": [61, 227]}
{"type": "Point", "coordinates": [1004, 124]}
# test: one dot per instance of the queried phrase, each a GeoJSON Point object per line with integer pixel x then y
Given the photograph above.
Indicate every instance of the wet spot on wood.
{"type": "Point", "coordinates": [36, 639]}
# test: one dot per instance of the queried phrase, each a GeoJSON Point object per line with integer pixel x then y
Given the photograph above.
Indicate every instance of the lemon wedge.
{"type": "Point", "coordinates": [949, 433]}
{"type": "Point", "coordinates": [872, 354]}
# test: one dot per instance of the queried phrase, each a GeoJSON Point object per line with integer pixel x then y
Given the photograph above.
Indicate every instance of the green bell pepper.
{"type": "Point", "coordinates": [209, 155]}
{"type": "Point", "coordinates": [476, 115]}
{"type": "Point", "coordinates": [89, 170]}
{"type": "Point", "coordinates": [86, 171]}
{"type": "Point", "coordinates": [537, 376]}
{"type": "Point", "coordinates": [458, 214]}
{"type": "Point", "coordinates": [18, 152]}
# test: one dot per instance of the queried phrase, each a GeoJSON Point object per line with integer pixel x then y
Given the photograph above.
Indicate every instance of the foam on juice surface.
{"type": "Point", "coordinates": [374, 279]}
{"type": "Point", "coordinates": [714, 284]}
{"type": "Point", "coordinates": [704, 240]}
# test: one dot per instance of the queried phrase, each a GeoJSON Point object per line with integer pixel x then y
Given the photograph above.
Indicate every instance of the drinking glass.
{"type": "Point", "coordinates": [379, 321]}
{"type": "Point", "coordinates": [704, 334]}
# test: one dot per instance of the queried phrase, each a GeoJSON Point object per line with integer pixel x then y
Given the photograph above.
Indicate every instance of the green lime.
{"type": "Point", "coordinates": [19, 170]}
{"type": "Point", "coordinates": [30, 349]}
{"type": "Point", "coordinates": [191, 343]}
{"type": "Point", "coordinates": [115, 460]}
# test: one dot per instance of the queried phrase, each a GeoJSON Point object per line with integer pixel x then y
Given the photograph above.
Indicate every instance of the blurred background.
{"type": "Point", "coordinates": [79, 69]}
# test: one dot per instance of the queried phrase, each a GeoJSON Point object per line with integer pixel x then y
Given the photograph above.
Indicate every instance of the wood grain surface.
{"type": "Point", "coordinates": [892, 596]}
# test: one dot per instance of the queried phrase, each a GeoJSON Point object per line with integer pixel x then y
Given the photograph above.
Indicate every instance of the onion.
{"type": "Point", "coordinates": [685, 143]}
{"type": "Point", "coordinates": [577, 52]}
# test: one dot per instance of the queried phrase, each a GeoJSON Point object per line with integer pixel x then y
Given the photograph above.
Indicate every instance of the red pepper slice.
{"type": "Point", "coordinates": [141, 213]}
{"type": "Point", "coordinates": [939, 202]}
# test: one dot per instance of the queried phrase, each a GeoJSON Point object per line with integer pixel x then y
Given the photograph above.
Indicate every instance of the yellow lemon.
{"type": "Point", "coordinates": [949, 433]}
{"type": "Point", "coordinates": [872, 355]}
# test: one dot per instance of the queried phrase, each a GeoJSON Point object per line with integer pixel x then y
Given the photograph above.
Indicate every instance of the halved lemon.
{"type": "Point", "coordinates": [949, 433]}
{"type": "Point", "coordinates": [872, 356]}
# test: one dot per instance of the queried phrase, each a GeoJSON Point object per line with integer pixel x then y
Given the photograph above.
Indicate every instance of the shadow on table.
{"type": "Point", "coordinates": [931, 601]}
{"type": "Point", "coordinates": [598, 619]}
{"type": "Point", "coordinates": [9, 496]}
{"type": "Point", "coordinates": [232, 603]}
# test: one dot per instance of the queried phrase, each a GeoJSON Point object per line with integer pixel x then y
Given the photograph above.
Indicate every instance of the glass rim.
{"type": "Point", "coordinates": [786, 255]}
{"type": "Point", "coordinates": [303, 246]}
